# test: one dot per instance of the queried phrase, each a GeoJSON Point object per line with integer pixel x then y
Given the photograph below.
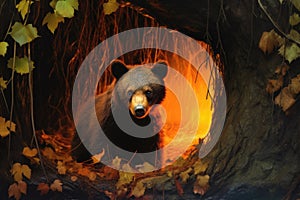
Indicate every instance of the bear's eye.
{"type": "Point", "coordinates": [129, 93]}
{"type": "Point", "coordinates": [148, 93]}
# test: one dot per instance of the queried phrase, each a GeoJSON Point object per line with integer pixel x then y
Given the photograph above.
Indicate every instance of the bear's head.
{"type": "Point", "coordinates": [139, 88]}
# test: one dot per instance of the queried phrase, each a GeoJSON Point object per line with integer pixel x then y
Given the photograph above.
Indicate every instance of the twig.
{"type": "Point", "coordinates": [31, 113]}
{"type": "Point", "coordinates": [276, 25]}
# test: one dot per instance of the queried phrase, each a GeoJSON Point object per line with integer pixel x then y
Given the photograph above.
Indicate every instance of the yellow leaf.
{"type": "Point", "coordinates": [139, 189]}
{"type": "Point", "coordinates": [23, 33]}
{"type": "Point", "coordinates": [23, 7]}
{"type": "Point", "coordinates": [22, 65]}
{"type": "Point", "coordinates": [13, 191]}
{"type": "Point", "coordinates": [73, 3]}
{"type": "Point", "coordinates": [185, 175]}
{"type": "Point", "coordinates": [294, 19]}
{"type": "Point", "coordinates": [53, 3]}
{"type": "Point", "coordinates": [26, 171]}
{"type": "Point", "coordinates": [110, 7]}
{"type": "Point", "coordinates": [199, 167]}
{"type": "Point", "coordinates": [290, 52]}
{"type": "Point", "coordinates": [43, 188]}
{"type": "Point", "coordinates": [92, 176]}
{"type": "Point", "coordinates": [6, 127]}
{"type": "Point", "coordinates": [97, 158]}
{"type": "Point", "coordinates": [3, 48]}
{"type": "Point", "coordinates": [56, 185]}
{"type": "Point", "coordinates": [201, 184]}
{"type": "Point", "coordinates": [294, 86]}
{"type": "Point", "coordinates": [52, 20]}
{"type": "Point", "coordinates": [29, 152]}
{"type": "Point", "coordinates": [269, 41]}
{"type": "Point", "coordinates": [16, 171]}
{"type": "Point", "coordinates": [61, 168]}
{"type": "Point", "coordinates": [125, 178]}
{"type": "Point", "coordinates": [146, 167]}
{"type": "Point", "coordinates": [3, 83]}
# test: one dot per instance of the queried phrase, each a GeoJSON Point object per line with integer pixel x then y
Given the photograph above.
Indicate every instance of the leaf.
{"type": "Point", "coordinates": [61, 168]}
{"type": "Point", "coordinates": [295, 35]}
{"type": "Point", "coordinates": [146, 167]}
{"type": "Point", "coordinates": [56, 185]}
{"type": "Point", "coordinates": [43, 188]}
{"type": "Point", "coordinates": [269, 41]}
{"type": "Point", "coordinates": [22, 187]}
{"type": "Point", "coordinates": [23, 33]}
{"type": "Point", "coordinates": [52, 20]}
{"type": "Point", "coordinates": [49, 153]}
{"type": "Point", "coordinates": [185, 175]}
{"type": "Point", "coordinates": [29, 152]}
{"type": "Point", "coordinates": [296, 3]}
{"type": "Point", "coordinates": [285, 99]}
{"type": "Point", "coordinates": [23, 7]}
{"type": "Point", "coordinates": [18, 169]}
{"type": "Point", "coordinates": [3, 83]}
{"type": "Point", "coordinates": [199, 167]}
{"type": "Point", "coordinates": [21, 65]}
{"type": "Point", "coordinates": [116, 162]}
{"type": "Point", "coordinates": [294, 86]}
{"type": "Point", "coordinates": [65, 8]}
{"type": "Point", "coordinates": [3, 48]}
{"type": "Point", "coordinates": [125, 178]}
{"type": "Point", "coordinates": [6, 127]}
{"type": "Point", "coordinates": [26, 171]}
{"type": "Point", "coordinates": [139, 189]}
{"type": "Point", "coordinates": [13, 191]}
{"type": "Point", "coordinates": [274, 85]}
{"type": "Point", "coordinates": [280, 1]}
{"type": "Point", "coordinates": [294, 19]}
{"type": "Point", "coordinates": [53, 3]}
{"type": "Point", "coordinates": [110, 7]}
{"type": "Point", "coordinates": [201, 185]}
{"type": "Point", "coordinates": [290, 52]}
{"type": "Point", "coordinates": [97, 158]}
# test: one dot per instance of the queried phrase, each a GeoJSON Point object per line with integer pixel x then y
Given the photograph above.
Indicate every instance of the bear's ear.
{"type": "Point", "coordinates": [160, 69]}
{"type": "Point", "coordinates": [118, 69]}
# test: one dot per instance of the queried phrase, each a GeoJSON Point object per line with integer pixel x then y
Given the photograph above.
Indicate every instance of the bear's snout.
{"type": "Point", "coordinates": [139, 105]}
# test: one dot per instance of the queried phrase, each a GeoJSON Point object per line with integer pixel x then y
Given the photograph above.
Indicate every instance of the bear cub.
{"type": "Point", "coordinates": [124, 112]}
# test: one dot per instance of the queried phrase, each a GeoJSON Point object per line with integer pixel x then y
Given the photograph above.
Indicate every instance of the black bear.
{"type": "Point", "coordinates": [124, 112]}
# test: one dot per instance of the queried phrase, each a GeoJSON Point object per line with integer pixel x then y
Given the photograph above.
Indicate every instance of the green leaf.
{"type": "Point", "coordinates": [21, 65]}
{"type": "Point", "coordinates": [3, 48]}
{"type": "Point", "coordinates": [294, 19]}
{"type": "Point", "coordinates": [296, 3]}
{"type": "Point", "coordinates": [23, 7]}
{"type": "Point", "coordinates": [110, 7]}
{"type": "Point", "coordinates": [52, 20]}
{"type": "Point", "coordinates": [280, 1]}
{"type": "Point", "coordinates": [3, 83]}
{"type": "Point", "coordinates": [295, 35]}
{"type": "Point", "coordinates": [23, 33]}
{"type": "Point", "coordinates": [290, 52]}
{"type": "Point", "coordinates": [73, 3]}
{"type": "Point", "coordinates": [66, 8]}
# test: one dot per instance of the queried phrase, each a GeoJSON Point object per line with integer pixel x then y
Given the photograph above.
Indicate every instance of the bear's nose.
{"type": "Point", "coordinates": [139, 111]}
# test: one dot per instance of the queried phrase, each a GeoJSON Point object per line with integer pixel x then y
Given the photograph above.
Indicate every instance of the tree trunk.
{"type": "Point", "coordinates": [259, 145]}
